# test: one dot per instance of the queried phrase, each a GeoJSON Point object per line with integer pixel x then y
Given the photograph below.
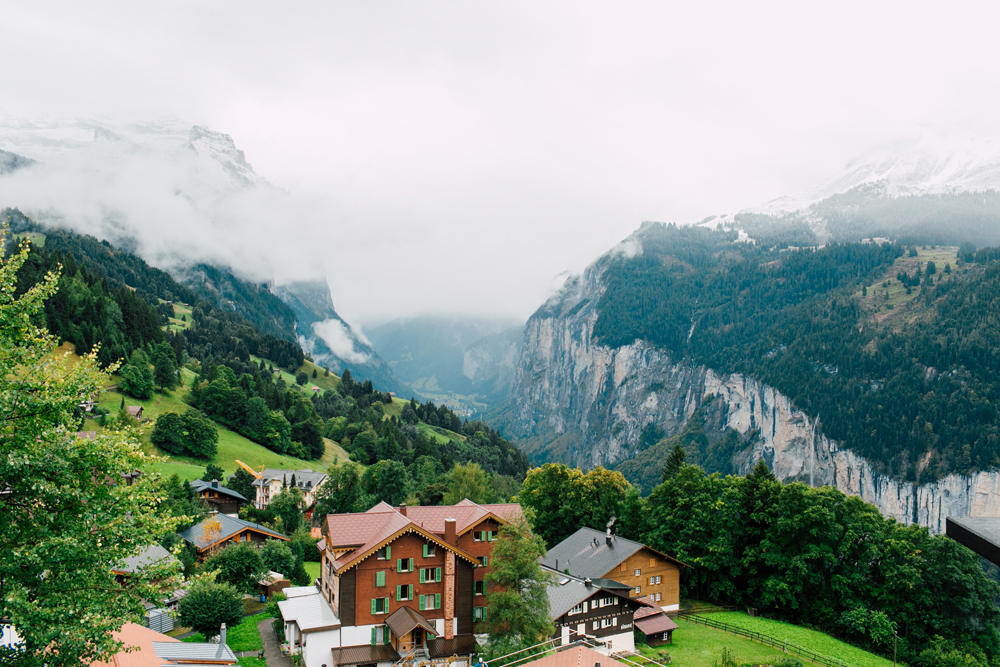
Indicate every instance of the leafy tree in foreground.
{"type": "Point", "coordinates": [519, 613]}
{"type": "Point", "coordinates": [208, 605]}
{"type": "Point", "coordinates": [239, 565]}
{"type": "Point", "coordinates": [342, 491]}
{"type": "Point", "coordinates": [288, 505]}
{"type": "Point", "coordinates": [468, 481]}
{"type": "Point", "coordinates": [65, 520]}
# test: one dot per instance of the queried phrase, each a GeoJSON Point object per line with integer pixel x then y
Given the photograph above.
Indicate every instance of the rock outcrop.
{"type": "Point", "coordinates": [583, 403]}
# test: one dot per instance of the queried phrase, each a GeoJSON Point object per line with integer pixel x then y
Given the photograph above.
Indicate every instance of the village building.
{"type": "Point", "coordinates": [578, 656]}
{"type": "Point", "coordinates": [149, 648]}
{"type": "Point", "coordinates": [272, 481]}
{"type": "Point", "coordinates": [600, 610]}
{"type": "Point", "coordinates": [591, 553]}
{"type": "Point", "coordinates": [135, 411]}
{"type": "Point", "coordinates": [217, 531]}
{"type": "Point", "coordinates": [653, 622]}
{"type": "Point", "coordinates": [221, 499]}
{"type": "Point", "coordinates": [402, 583]}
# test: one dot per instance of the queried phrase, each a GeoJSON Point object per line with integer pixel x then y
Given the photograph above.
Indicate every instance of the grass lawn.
{"type": "Point", "coordinates": [885, 299]}
{"type": "Point", "coordinates": [249, 661]}
{"type": "Point", "coordinates": [231, 446]}
{"type": "Point", "coordinates": [440, 434]}
{"type": "Point", "coordinates": [312, 569]}
{"type": "Point", "coordinates": [700, 646]}
{"type": "Point", "coordinates": [804, 637]}
{"type": "Point", "coordinates": [245, 637]}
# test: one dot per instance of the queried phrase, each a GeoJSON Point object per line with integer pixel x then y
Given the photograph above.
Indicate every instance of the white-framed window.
{"type": "Point", "coordinates": [607, 622]}
{"type": "Point", "coordinates": [638, 590]}
{"type": "Point", "coordinates": [380, 605]}
{"type": "Point", "coordinates": [484, 561]}
{"type": "Point", "coordinates": [479, 588]}
{"type": "Point", "coordinates": [428, 550]}
{"type": "Point", "coordinates": [430, 601]}
{"type": "Point", "coordinates": [659, 578]}
{"type": "Point", "coordinates": [606, 602]}
{"type": "Point", "coordinates": [578, 609]}
{"type": "Point", "coordinates": [385, 553]}
{"type": "Point", "coordinates": [404, 592]}
{"type": "Point", "coordinates": [638, 572]}
{"type": "Point", "coordinates": [479, 613]}
{"type": "Point", "coordinates": [658, 597]}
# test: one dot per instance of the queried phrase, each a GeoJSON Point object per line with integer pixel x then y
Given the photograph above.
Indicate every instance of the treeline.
{"type": "Point", "coordinates": [812, 556]}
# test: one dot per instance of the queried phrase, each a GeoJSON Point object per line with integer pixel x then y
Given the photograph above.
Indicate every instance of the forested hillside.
{"type": "Point", "coordinates": [249, 381]}
{"type": "Point", "coordinates": [909, 381]}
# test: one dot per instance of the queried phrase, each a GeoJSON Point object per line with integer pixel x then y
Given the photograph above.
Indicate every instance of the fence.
{"type": "Point", "coordinates": [768, 640]}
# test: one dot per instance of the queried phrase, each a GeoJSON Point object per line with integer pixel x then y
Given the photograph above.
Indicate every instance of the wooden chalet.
{"type": "Point", "coordinates": [600, 611]}
{"type": "Point", "coordinates": [221, 499]}
{"type": "Point", "coordinates": [216, 531]}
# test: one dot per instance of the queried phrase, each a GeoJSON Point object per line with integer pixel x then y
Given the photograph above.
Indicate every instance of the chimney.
{"type": "Point", "coordinates": [215, 483]}
{"type": "Point", "coordinates": [449, 531]}
{"type": "Point", "coordinates": [222, 635]}
{"type": "Point", "coordinates": [587, 582]}
{"type": "Point", "coordinates": [402, 509]}
{"type": "Point", "coordinates": [557, 564]}
{"type": "Point", "coordinates": [607, 535]}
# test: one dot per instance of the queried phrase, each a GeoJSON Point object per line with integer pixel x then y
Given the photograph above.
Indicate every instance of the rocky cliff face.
{"type": "Point", "coordinates": [583, 403]}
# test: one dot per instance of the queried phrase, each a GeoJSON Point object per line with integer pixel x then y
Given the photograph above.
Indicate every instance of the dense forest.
{"type": "Point", "coordinates": [917, 396]}
{"type": "Point", "coordinates": [110, 296]}
{"type": "Point", "coordinates": [810, 556]}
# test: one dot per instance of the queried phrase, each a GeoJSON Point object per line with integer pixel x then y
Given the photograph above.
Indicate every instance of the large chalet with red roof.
{"type": "Point", "coordinates": [399, 583]}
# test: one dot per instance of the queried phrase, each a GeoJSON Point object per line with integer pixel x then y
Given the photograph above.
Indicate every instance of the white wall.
{"type": "Point", "coordinates": [318, 645]}
{"type": "Point", "coordinates": [356, 635]}
{"type": "Point", "coordinates": [623, 641]}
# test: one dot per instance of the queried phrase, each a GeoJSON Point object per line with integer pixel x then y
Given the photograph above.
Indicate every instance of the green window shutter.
{"type": "Point", "coordinates": [485, 609]}
{"type": "Point", "coordinates": [437, 574]}
{"type": "Point", "coordinates": [422, 572]}
{"type": "Point", "coordinates": [411, 566]}
{"type": "Point", "coordinates": [420, 603]}
{"type": "Point", "coordinates": [399, 565]}
{"type": "Point", "coordinates": [388, 553]}
{"type": "Point", "coordinates": [437, 600]}
{"type": "Point", "coordinates": [386, 635]}
{"type": "Point", "coordinates": [373, 613]}
{"type": "Point", "coordinates": [399, 595]}
{"type": "Point", "coordinates": [486, 561]}
{"type": "Point", "coordinates": [380, 578]}
{"type": "Point", "coordinates": [373, 629]}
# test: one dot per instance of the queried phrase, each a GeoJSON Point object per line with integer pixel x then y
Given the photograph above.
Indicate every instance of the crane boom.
{"type": "Point", "coordinates": [250, 470]}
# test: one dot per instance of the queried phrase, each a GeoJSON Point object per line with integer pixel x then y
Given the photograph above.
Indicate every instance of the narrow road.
{"type": "Point", "coordinates": [272, 654]}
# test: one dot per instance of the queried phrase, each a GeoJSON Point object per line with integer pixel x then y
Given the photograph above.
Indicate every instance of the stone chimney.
{"type": "Point", "coordinates": [450, 532]}
{"type": "Point", "coordinates": [402, 509]}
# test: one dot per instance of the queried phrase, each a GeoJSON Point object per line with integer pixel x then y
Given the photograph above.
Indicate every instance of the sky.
{"type": "Point", "coordinates": [460, 157]}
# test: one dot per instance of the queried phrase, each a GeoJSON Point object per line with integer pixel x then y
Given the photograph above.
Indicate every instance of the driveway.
{"type": "Point", "coordinates": [272, 654]}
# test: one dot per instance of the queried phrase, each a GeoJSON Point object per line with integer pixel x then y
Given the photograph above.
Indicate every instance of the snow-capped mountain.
{"type": "Point", "coordinates": [186, 199]}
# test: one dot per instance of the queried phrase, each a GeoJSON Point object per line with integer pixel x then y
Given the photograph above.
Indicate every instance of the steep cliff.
{"type": "Point", "coordinates": [576, 401]}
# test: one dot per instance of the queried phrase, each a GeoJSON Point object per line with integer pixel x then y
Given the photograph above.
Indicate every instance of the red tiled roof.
{"type": "Point", "coordinates": [579, 656]}
{"type": "Point", "coordinates": [364, 532]}
{"type": "Point", "coordinates": [466, 514]}
{"type": "Point", "coordinates": [133, 634]}
{"type": "Point", "coordinates": [654, 624]}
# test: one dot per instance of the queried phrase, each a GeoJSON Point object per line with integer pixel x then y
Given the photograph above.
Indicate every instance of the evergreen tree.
{"type": "Point", "coordinates": [674, 462]}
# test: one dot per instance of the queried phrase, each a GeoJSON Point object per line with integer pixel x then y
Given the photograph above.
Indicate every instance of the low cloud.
{"type": "Point", "coordinates": [338, 338]}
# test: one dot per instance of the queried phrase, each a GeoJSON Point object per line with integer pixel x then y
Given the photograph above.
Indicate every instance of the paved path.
{"type": "Point", "coordinates": [272, 654]}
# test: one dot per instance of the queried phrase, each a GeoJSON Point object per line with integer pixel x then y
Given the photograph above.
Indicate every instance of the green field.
{"type": "Point", "coordinates": [36, 238]}
{"type": "Point", "coordinates": [312, 569]}
{"type": "Point", "coordinates": [884, 299]}
{"type": "Point", "coordinates": [232, 446]}
{"type": "Point", "coordinates": [442, 435]}
{"type": "Point", "coordinates": [810, 639]}
{"type": "Point", "coordinates": [176, 323]}
{"type": "Point", "coordinates": [699, 646]}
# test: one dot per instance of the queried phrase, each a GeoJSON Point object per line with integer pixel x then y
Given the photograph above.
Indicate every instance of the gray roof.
{"type": "Point", "coordinates": [578, 553]}
{"type": "Point", "coordinates": [191, 651]}
{"type": "Point", "coordinates": [201, 485]}
{"type": "Point", "coordinates": [566, 591]}
{"type": "Point", "coordinates": [299, 591]}
{"type": "Point", "coordinates": [228, 527]}
{"type": "Point", "coordinates": [154, 553]}
{"type": "Point", "coordinates": [981, 534]}
{"type": "Point", "coordinates": [309, 612]}
{"type": "Point", "coordinates": [305, 479]}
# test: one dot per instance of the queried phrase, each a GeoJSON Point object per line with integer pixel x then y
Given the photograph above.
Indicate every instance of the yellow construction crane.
{"type": "Point", "coordinates": [255, 473]}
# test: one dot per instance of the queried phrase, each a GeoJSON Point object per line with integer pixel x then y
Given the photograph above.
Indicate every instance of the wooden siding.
{"type": "Point", "coordinates": [464, 576]}
{"type": "Point", "coordinates": [623, 610]}
{"type": "Point", "coordinates": [348, 586]}
{"type": "Point", "coordinates": [650, 564]}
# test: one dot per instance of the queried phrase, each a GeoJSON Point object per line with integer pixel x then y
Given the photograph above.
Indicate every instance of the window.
{"type": "Point", "coordinates": [429, 574]}
{"type": "Point", "coordinates": [607, 602]}
{"type": "Point", "coordinates": [380, 605]}
{"type": "Point", "coordinates": [484, 560]}
{"type": "Point", "coordinates": [603, 623]}
{"type": "Point", "coordinates": [484, 536]}
{"type": "Point", "coordinates": [380, 578]}
{"type": "Point", "coordinates": [479, 588]}
{"type": "Point", "coordinates": [659, 578]}
{"type": "Point", "coordinates": [652, 580]}
{"type": "Point", "coordinates": [638, 572]}
{"type": "Point", "coordinates": [578, 609]}
{"type": "Point", "coordinates": [404, 565]}
{"type": "Point", "coordinates": [479, 613]}
{"type": "Point", "coordinates": [428, 551]}
{"type": "Point", "coordinates": [658, 597]}
{"type": "Point", "coordinates": [491, 535]}
{"type": "Point", "coordinates": [385, 553]}
{"type": "Point", "coordinates": [380, 635]}
{"type": "Point", "coordinates": [429, 601]}
{"type": "Point", "coordinates": [477, 536]}
{"type": "Point", "coordinates": [637, 590]}
{"type": "Point", "coordinates": [404, 592]}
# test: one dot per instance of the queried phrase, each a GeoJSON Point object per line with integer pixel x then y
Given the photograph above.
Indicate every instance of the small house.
{"type": "Point", "coordinates": [653, 622]}
{"type": "Point", "coordinates": [217, 531]}
{"type": "Point", "coordinates": [221, 499]}
{"type": "Point", "coordinates": [135, 411]}
{"type": "Point", "coordinates": [600, 611]}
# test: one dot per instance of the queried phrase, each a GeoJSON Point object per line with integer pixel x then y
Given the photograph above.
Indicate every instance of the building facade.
{"type": "Point", "coordinates": [647, 572]}
{"type": "Point", "coordinates": [273, 481]}
{"type": "Point", "coordinates": [601, 611]}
